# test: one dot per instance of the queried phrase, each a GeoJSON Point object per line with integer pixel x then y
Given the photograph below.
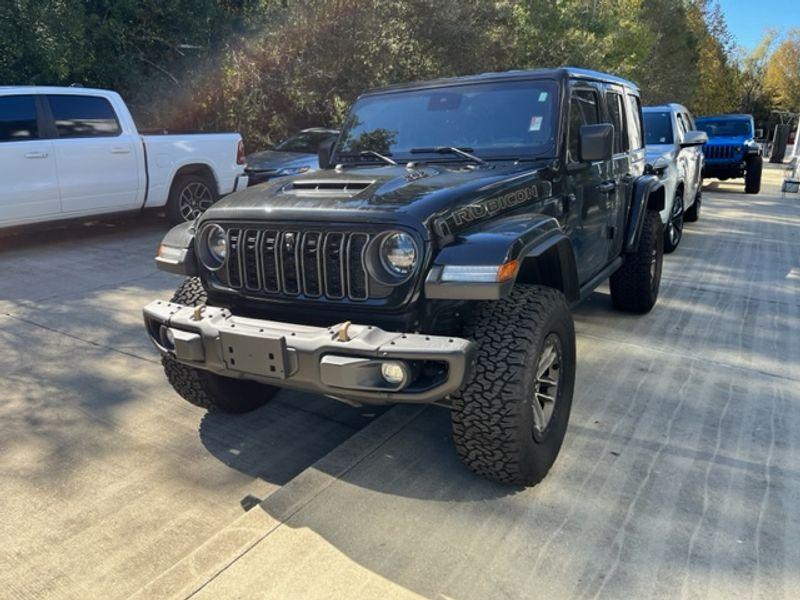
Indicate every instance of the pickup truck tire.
{"type": "Point", "coordinates": [208, 390]}
{"type": "Point", "coordinates": [190, 195]}
{"type": "Point", "coordinates": [752, 175]}
{"type": "Point", "coordinates": [673, 232]}
{"type": "Point", "coordinates": [510, 418]}
{"type": "Point", "coordinates": [692, 214]}
{"type": "Point", "coordinates": [634, 286]}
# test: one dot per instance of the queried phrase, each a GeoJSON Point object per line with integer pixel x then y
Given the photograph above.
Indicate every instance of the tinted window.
{"type": "Point", "coordinates": [724, 127]}
{"type": "Point", "coordinates": [617, 114]}
{"type": "Point", "coordinates": [635, 114]}
{"type": "Point", "coordinates": [682, 129]}
{"type": "Point", "coordinates": [83, 116]}
{"type": "Point", "coordinates": [306, 141]}
{"type": "Point", "coordinates": [493, 120]}
{"type": "Point", "coordinates": [658, 127]}
{"type": "Point", "coordinates": [583, 110]}
{"type": "Point", "coordinates": [18, 118]}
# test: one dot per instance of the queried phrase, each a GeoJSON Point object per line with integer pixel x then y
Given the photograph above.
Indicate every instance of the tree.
{"type": "Point", "coordinates": [782, 77]}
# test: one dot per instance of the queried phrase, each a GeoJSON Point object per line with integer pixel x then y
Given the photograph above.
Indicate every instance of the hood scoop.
{"type": "Point", "coordinates": [327, 186]}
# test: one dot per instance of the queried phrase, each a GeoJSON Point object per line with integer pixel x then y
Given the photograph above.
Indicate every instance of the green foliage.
{"type": "Point", "coordinates": [269, 67]}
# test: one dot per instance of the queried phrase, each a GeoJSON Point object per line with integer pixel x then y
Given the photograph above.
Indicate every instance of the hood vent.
{"type": "Point", "coordinates": [332, 186]}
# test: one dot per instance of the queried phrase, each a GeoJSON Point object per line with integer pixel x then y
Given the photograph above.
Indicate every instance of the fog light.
{"type": "Point", "coordinates": [167, 338]}
{"type": "Point", "coordinates": [394, 372]}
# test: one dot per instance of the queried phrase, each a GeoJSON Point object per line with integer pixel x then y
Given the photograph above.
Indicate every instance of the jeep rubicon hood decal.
{"type": "Point", "coordinates": [434, 199]}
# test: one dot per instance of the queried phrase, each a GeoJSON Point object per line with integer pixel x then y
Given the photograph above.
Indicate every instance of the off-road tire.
{"type": "Point", "coordinates": [492, 414]}
{"type": "Point", "coordinates": [673, 237]}
{"type": "Point", "coordinates": [752, 175]}
{"type": "Point", "coordinates": [692, 213]}
{"type": "Point", "coordinates": [208, 390]}
{"type": "Point", "coordinates": [180, 184]}
{"type": "Point", "coordinates": [634, 286]}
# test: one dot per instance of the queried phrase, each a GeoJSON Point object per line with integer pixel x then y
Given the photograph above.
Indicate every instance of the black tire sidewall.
{"type": "Point", "coordinates": [668, 245]}
{"type": "Point", "coordinates": [180, 183]}
{"type": "Point", "coordinates": [752, 175]}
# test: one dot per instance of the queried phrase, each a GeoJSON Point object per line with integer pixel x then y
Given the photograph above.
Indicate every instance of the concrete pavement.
{"type": "Point", "coordinates": [678, 478]}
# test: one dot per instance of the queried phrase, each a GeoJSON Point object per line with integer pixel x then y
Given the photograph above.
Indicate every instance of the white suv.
{"type": "Point", "coordinates": [675, 153]}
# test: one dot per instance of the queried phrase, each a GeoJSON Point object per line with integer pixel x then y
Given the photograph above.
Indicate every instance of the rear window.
{"type": "Point", "coordinates": [18, 119]}
{"type": "Point", "coordinates": [658, 127]}
{"type": "Point", "coordinates": [83, 116]}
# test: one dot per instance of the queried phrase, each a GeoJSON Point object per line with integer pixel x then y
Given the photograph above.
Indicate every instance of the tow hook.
{"type": "Point", "coordinates": [343, 335]}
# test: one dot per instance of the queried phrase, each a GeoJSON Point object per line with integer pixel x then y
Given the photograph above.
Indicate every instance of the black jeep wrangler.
{"type": "Point", "coordinates": [434, 258]}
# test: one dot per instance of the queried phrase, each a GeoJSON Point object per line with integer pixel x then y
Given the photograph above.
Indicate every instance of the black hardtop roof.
{"type": "Point", "coordinates": [521, 74]}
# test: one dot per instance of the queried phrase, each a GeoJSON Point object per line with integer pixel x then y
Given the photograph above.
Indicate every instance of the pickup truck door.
{"type": "Point", "coordinates": [96, 159]}
{"type": "Point", "coordinates": [587, 187]}
{"type": "Point", "coordinates": [29, 188]}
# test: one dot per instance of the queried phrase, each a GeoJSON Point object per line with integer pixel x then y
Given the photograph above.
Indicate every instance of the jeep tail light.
{"type": "Point", "coordinates": [240, 160]}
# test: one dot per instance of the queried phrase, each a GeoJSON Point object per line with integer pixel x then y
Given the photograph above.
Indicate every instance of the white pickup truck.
{"type": "Point", "coordinates": [75, 152]}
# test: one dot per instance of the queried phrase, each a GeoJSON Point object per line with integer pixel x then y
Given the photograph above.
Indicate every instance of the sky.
{"type": "Point", "coordinates": [748, 19]}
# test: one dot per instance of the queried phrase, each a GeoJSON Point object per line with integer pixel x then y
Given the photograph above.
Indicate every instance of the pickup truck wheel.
{"type": "Point", "coordinates": [634, 286]}
{"type": "Point", "coordinates": [673, 232]}
{"type": "Point", "coordinates": [752, 175]}
{"type": "Point", "coordinates": [189, 197]}
{"type": "Point", "coordinates": [692, 214]}
{"type": "Point", "coordinates": [510, 418]}
{"type": "Point", "coordinates": [208, 390]}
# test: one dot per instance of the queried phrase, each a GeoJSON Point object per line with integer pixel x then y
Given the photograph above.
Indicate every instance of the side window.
{"type": "Point", "coordinates": [681, 127]}
{"type": "Point", "coordinates": [635, 122]}
{"type": "Point", "coordinates": [617, 114]}
{"type": "Point", "coordinates": [690, 126]}
{"type": "Point", "coordinates": [83, 116]}
{"type": "Point", "coordinates": [583, 110]}
{"type": "Point", "coordinates": [18, 118]}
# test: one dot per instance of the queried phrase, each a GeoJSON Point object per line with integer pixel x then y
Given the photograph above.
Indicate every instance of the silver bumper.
{"type": "Point", "coordinates": [339, 361]}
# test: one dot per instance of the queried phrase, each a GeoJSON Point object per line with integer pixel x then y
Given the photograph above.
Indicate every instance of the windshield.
{"type": "Point", "coordinates": [491, 120]}
{"type": "Point", "coordinates": [306, 141]}
{"type": "Point", "coordinates": [725, 127]}
{"type": "Point", "coordinates": [658, 127]}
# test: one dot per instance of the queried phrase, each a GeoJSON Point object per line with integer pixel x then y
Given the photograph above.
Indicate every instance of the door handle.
{"type": "Point", "coordinates": [607, 187]}
{"type": "Point", "coordinates": [36, 155]}
{"type": "Point", "coordinates": [120, 150]}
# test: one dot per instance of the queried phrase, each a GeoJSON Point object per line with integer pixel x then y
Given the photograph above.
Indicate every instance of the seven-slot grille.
{"type": "Point", "coordinates": [720, 151]}
{"type": "Point", "coordinates": [293, 261]}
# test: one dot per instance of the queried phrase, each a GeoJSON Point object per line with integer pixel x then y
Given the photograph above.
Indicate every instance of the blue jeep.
{"type": "Point", "coordinates": [732, 150]}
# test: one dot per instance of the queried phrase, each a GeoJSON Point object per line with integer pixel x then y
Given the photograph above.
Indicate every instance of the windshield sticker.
{"type": "Point", "coordinates": [536, 124]}
{"type": "Point", "coordinates": [543, 97]}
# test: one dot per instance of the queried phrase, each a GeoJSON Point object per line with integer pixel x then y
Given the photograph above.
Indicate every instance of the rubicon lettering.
{"type": "Point", "coordinates": [486, 208]}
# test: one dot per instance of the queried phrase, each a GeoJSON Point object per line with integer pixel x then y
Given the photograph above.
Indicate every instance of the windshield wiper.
{"type": "Point", "coordinates": [377, 155]}
{"type": "Point", "coordinates": [462, 152]}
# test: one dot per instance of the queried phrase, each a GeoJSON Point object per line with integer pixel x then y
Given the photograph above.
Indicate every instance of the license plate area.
{"type": "Point", "coordinates": [254, 353]}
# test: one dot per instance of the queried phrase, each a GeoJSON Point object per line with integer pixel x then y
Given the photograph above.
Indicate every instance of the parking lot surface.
{"type": "Point", "coordinates": [678, 476]}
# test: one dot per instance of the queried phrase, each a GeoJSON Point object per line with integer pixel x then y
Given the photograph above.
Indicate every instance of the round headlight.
{"type": "Point", "coordinates": [398, 254]}
{"type": "Point", "coordinates": [214, 247]}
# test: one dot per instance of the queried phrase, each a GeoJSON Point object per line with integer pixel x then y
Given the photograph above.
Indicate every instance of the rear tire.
{"type": "Point", "coordinates": [497, 428]}
{"type": "Point", "coordinates": [752, 175]}
{"type": "Point", "coordinates": [634, 286]}
{"type": "Point", "coordinates": [209, 390]}
{"type": "Point", "coordinates": [190, 196]}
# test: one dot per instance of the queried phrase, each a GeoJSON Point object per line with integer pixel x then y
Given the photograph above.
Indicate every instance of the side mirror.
{"type": "Point", "coordinates": [324, 151]}
{"type": "Point", "coordinates": [694, 138]}
{"type": "Point", "coordinates": [597, 142]}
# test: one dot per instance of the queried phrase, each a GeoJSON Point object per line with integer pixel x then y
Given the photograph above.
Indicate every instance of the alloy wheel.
{"type": "Point", "coordinates": [194, 200]}
{"type": "Point", "coordinates": [546, 384]}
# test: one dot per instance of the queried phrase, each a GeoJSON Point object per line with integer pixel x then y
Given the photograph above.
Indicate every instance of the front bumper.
{"type": "Point", "coordinates": [318, 359]}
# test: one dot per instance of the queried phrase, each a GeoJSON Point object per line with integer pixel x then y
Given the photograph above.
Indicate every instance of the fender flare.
{"type": "Point", "coordinates": [648, 194]}
{"type": "Point", "coordinates": [544, 254]}
{"type": "Point", "coordinates": [176, 251]}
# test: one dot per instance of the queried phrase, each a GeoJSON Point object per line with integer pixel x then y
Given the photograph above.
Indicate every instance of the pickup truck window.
{"type": "Point", "coordinates": [83, 116]}
{"type": "Point", "coordinates": [617, 114]}
{"type": "Point", "coordinates": [491, 120]}
{"type": "Point", "coordinates": [18, 119]}
{"type": "Point", "coordinates": [658, 127]}
{"type": "Point", "coordinates": [583, 110]}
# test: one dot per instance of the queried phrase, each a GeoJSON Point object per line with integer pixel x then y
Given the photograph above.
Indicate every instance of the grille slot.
{"type": "Point", "coordinates": [717, 152]}
{"type": "Point", "coordinates": [316, 264]}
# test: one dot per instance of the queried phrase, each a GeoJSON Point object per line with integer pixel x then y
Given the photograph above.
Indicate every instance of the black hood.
{"type": "Point", "coordinates": [428, 198]}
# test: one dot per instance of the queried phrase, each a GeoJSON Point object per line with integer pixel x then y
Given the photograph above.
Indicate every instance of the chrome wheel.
{"type": "Point", "coordinates": [546, 384]}
{"type": "Point", "coordinates": [194, 200]}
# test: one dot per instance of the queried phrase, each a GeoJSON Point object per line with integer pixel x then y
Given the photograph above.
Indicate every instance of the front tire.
{"type": "Point", "coordinates": [510, 418]}
{"type": "Point", "coordinates": [752, 175]}
{"type": "Point", "coordinates": [634, 286]}
{"type": "Point", "coordinates": [673, 232]}
{"type": "Point", "coordinates": [209, 390]}
{"type": "Point", "coordinates": [190, 196]}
